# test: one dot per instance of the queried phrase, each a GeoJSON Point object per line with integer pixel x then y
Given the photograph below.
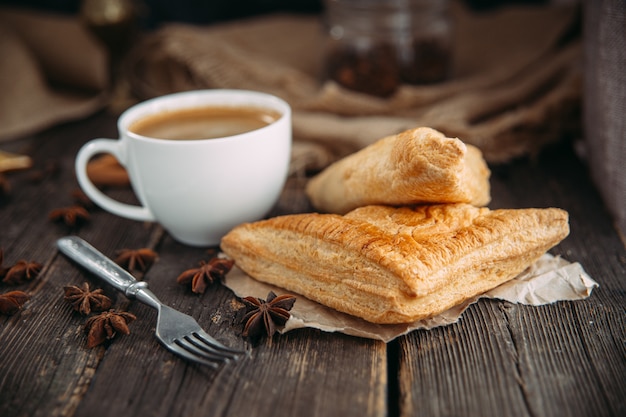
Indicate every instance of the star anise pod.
{"type": "Point", "coordinates": [134, 260]}
{"type": "Point", "coordinates": [205, 274]}
{"type": "Point", "coordinates": [265, 316]}
{"type": "Point", "coordinates": [71, 216]}
{"type": "Point", "coordinates": [11, 302]}
{"type": "Point", "coordinates": [22, 272]}
{"type": "Point", "coordinates": [106, 325]}
{"type": "Point", "coordinates": [85, 301]}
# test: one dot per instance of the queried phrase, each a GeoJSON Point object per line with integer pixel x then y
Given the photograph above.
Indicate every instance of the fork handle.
{"type": "Point", "coordinates": [94, 261]}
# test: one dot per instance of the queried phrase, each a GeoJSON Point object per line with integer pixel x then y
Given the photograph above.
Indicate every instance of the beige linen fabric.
{"type": "Point", "coordinates": [516, 84]}
{"type": "Point", "coordinates": [51, 71]}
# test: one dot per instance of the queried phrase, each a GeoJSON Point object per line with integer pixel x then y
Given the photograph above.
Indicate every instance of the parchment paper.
{"type": "Point", "coordinates": [548, 280]}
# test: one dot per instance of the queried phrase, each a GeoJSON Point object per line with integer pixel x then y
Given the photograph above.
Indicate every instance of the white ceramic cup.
{"type": "Point", "coordinates": [197, 189]}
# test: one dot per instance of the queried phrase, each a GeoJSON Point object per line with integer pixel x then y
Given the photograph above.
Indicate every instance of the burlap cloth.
{"type": "Point", "coordinates": [516, 84]}
{"type": "Point", "coordinates": [51, 71]}
{"type": "Point", "coordinates": [605, 102]}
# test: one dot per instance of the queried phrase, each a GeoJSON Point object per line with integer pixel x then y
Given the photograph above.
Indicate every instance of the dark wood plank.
{"type": "Point", "coordinates": [282, 377]}
{"type": "Point", "coordinates": [286, 377]}
{"type": "Point", "coordinates": [462, 369]}
{"type": "Point", "coordinates": [564, 359]}
{"type": "Point", "coordinates": [47, 370]}
{"type": "Point", "coordinates": [565, 368]}
{"type": "Point", "coordinates": [500, 359]}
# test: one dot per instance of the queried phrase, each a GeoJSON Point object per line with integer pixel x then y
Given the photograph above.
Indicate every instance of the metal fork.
{"type": "Point", "coordinates": [178, 332]}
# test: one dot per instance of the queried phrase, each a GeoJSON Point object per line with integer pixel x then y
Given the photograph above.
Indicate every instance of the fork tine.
{"type": "Point", "coordinates": [212, 348]}
{"type": "Point", "coordinates": [213, 344]}
{"type": "Point", "coordinates": [179, 350]}
{"type": "Point", "coordinates": [197, 346]}
{"type": "Point", "coordinates": [188, 343]}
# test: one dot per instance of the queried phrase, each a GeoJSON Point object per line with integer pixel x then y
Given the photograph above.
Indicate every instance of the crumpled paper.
{"type": "Point", "coordinates": [549, 279]}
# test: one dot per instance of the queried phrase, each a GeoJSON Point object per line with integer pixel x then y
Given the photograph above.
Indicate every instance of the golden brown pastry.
{"type": "Point", "coordinates": [395, 265]}
{"type": "Point", "coordinates": [414, 167]}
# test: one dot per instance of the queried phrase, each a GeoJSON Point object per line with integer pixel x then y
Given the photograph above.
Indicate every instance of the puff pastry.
{"type": "Point", "coordinates": [395, 265]}
{"type": "Point", "coordinates": [414, 167]}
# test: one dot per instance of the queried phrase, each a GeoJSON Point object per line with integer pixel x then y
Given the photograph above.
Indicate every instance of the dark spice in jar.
{"type": "Point", "coordinates": [374, 46]}
{"type": "Point", "coordinates": [428, 63]}
{"type": "Point", "coordinates": [373, 71]}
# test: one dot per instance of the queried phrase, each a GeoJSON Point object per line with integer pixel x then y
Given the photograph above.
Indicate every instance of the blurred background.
{"type": "Point", "coordinates": [156, 12]}
{"type": "Point", "coordinates": [526, 73]}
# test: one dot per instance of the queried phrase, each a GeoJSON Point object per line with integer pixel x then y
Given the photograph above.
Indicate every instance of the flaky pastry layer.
{"type": "Point", "coordinates": [413, 167]}
{"type": "Point", "coordinates": [395, 265]}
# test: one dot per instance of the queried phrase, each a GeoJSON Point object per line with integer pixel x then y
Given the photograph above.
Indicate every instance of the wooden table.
{"type": "Point", "coordinates": [564, 359]}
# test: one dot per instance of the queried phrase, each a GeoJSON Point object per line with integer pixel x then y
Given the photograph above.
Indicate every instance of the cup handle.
{"type": "Point", "coordinates": [113, 147]}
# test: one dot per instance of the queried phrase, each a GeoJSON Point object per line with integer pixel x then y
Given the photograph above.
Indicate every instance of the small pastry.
{"type": "Point", "coordinates": [417, 166]}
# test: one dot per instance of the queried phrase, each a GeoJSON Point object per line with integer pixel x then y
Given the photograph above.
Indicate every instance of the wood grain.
{"type": "Point", "coordinates": [500, 359]}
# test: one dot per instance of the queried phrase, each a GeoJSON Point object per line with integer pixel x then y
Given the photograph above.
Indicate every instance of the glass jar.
{"type": "Point", "coordinates": [373, 46]}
